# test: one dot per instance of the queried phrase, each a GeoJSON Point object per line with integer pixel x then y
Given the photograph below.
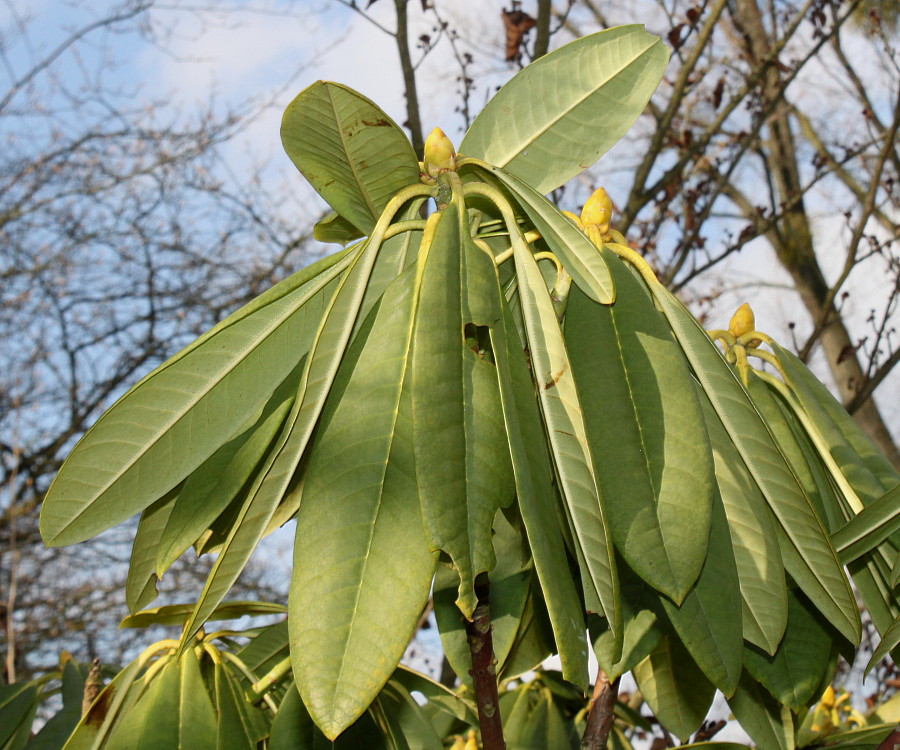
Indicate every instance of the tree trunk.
{"type": "Point", "coordinates": [792, 236]}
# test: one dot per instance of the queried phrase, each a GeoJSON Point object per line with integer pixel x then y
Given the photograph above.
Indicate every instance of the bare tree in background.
{"type": "Point", "coordinates": [775, 122]}
{"type": "Point", "coordinates": [123, 235]}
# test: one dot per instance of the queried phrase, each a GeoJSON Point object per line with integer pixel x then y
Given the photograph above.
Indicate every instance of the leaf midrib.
{"type": "Point", "coordinates": [273, 328]}
{"type": "Point", "coordinates": [576, 103]}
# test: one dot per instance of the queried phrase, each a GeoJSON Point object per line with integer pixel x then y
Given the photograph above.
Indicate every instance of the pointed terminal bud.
{"type": "Point", "coordinates": [743, 321]}
{"type": "Point", "coordinates": [440, 156]}
{"type": "Point", "coordinates": [597, 210]}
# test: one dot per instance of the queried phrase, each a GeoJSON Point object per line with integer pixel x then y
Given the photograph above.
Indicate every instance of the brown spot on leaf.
{"type": "Point", "coordinates": [379, 123]}
{"type": "Point", "coordinates": [554, 379]}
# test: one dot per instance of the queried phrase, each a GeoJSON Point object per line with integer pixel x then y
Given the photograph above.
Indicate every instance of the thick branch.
{"type": "Point", "coordinates": [542, 37]}
{"type": "Point", "coordinates": [413, 120]}
{"type": "Point", "coordinates": [484, 668]}
{"type": "Point", "coordinates": [600, 717]}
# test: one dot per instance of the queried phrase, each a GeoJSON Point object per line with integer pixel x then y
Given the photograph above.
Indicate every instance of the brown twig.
{"type": "Point", "coordinates": [708, 730]}
{"type": "Point", "coordinates": [484, 668]}
{"type": "Point", "coordinates": [600, 717]}
{"type": "Point", "coordinates": [891, 742]}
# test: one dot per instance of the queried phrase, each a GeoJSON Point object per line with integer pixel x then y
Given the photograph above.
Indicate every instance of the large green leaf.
{"type": "Point", "coordinates": [176, 417]}
{"type": "Point", "coordinates": [869, 528]}
{"type": "Point", "coordinates": [808, 555]}
{"type": "Point", "coordinates": [646, 432]}
{"type": "Point", "coordinates": [362, 565]}
{"type": "Point", "coordinates": [114, 700]}
{"type": "Point", "coordinates": [18, 704]}
{"type": "Point", "coordinates": [534, 638]}
{"type": "Point", "coordinates": [352, 153]}
{"type": "Point", "coordinates": [769, 724]}
{"type": "Point", "coordinates": [535, 721]}
{"type": "Point", "coordinates": [53, 735]}
{"type": "Point", "coordinates": [283, 458]}
{"type": "Point", "coordinates": [574, 250]}
{"type": "Point", "coordinates": [567, 436]}
{"type": "Point", "coordinates": [537, 498]}
{"type": "Point", "coordinates": [822, 406]}
{"type": "Point", "coordinates": [674, 687]}
{"type": "Point", "coordinates": [560, 114]}
{"type": "Point", "coordinates": [176, 614]}
{"type": "Point", "coordinates": [795, 671]}
{"type": "Point", "coordinates": [708, 621]}
{"type": "Point", "coordinates": [509, 584]}
{"type": "Point", "coordinates": [889, 641]}
{"type": "Point", "coordinates": [240, 725]}
{"type": "Point", "coordinates": [756, 553]}
{"type": "Point", "coordinates": [175, 711]}
{"type": "Point", "coordinates": [644, 622]}
{"type": "Point", "coordinates": [140, 586]}
{"type": "Point", "coordinates": [463, 468]}
{"type": "Point", "coordinates": [293, 729]}
{"type": "Point", "coordinates": [394, 254]}
{"type": "Point", "coordinates": [215, 483]}
{"type": "Point", "coordinates": [409, 717]}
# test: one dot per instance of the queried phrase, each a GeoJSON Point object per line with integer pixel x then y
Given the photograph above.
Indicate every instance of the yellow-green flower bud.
{"type": "Point", "coordinates": [597, 210]}
{"type": "Point", "coordinates": [440, 156]}
{"type": "Point", "coordinates": [743, 321]}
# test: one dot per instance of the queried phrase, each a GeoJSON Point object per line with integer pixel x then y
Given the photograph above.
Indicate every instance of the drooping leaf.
{"type": "Point", "coordinates": [114, 700]}
{"type": "Point", "coordinates": [266, 649]}
{"type": "Point", "coordinates": [868, 529]}
{"type": "Point", "coordinates": [436, 693]}
{"type": "Point", "coordinates": [536, 723]}
{"type": "Point", "coordinates": [53, 735]}
{"type": "Point", "coordinates": [708, 621]}
{"type": "Point", "coordinates": [293, 729]}
{"type": "Point", "coordinates": [646, 432]}
{"type": "Point", "coordinates": [463, 469]}
{"type": "Point", "coordinates": [769, 724]}
{"type": "Point", "coordinates": [793, 674]}
{"type": "Point", "coordinates": [574, 250]}
{"type": "Point", "coordinates": [808, 555]}
{"type": "Point", "coordinates": [283, 457]}
{"type": "Point", "coordinates": [674, 687]}
{"type": "Point", "coordinates": [509, 585]}
{"type": "Point", "coordinates": [352, 153]}
{"type": "Point", "coordinates": [18, 704]}
{"type": "Point", "coordinates": [240, 725]}
{"type": "Point", "coordinates": [214, 484]}
{"type": "Point", "coordinates": [534, 638]}
{"type": "Point", "coordinates": [889, 641]}
{"type": "Point", "coordinates": [643, 619]}
{"type": "Point", "coordinates": [176, 417]}
{"type": "Point", "coordinates": [409, 717]}
{"type": "Point", "coordinates": [560, 114]}
{"type": "Point", "coordinates": [360, 540]}
{"type": "Point", "coordinates": [175, 711]}
{"type": "Point", "coordinates": [567, 436]}
{"type": "Point", "coordinates": [140, 586]}
{"type": "Point", "coordinates": [334, 228]}
{"type": "Point", "coordinates": [849, 445]}
{"type": "Point", "coordinates": [536, 498]}
{"type": "Point", "coordinates": [175, 614]}
{"type": "Point", "coordinates": [756, 553]}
